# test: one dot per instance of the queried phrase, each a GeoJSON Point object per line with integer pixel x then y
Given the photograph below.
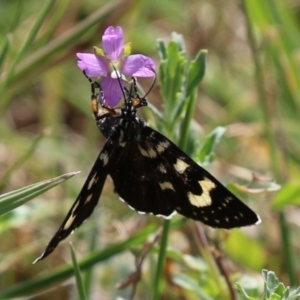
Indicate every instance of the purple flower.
{"type": "Point", "coordinates": [114, 62]}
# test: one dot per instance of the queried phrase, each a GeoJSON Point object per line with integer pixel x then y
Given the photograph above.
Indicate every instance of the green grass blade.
{"type": "Point", "coordinates": [79, 281]}
{"type": "Point", "coordinates": [14, 199]}
{"type": "Point", "coordinates": [63, 273]}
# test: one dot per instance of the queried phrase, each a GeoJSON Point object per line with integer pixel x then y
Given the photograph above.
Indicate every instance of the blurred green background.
{"type": "Point", "coordinates": [251, 86]}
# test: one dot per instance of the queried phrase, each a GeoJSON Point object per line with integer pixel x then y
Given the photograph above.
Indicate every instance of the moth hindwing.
{"type": "Point", "coordinates": [151, 174]}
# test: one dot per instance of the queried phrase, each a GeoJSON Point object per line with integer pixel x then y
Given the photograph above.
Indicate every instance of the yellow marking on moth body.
{"type": "Point", "coordinates": [166, 185]}
{"type": "Point", "coordinates": [204, 199]}
{"type": "Point", "coordinates": [180, 166]}
{"type": "Point", "coordinates": [151, 153]}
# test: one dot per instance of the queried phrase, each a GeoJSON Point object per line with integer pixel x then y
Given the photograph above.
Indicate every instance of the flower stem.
{"type": "Point", "coordinates": [161, 261]}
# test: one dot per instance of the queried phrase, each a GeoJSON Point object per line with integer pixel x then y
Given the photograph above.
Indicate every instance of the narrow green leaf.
{"type": "Point", "coordinates": [196, 72]}
{"type": "Point", "coordinates": [93, 245]}
{"type": "Point", "coordinates": [286, 294]}
{"type": "Point", "coordinates": [27, 43]}
{"type": "Point", "coordinates": [79, 281]}
{"type": "Point", "coordinates": [243, 292]}
{"type": "Point", "coordinates": [22, 159]}
{"type": "Point", "coordinates": [63, 273]}
{"type": "Point", "coordinates": [44, 57]}
{"type": "Point", "coordinates": [41, 17]}
{"type": "Point", "coordinates": [272, 281]}
{"type": "Point", "coordinates": [178, 38]}
{"type": "Point", "coordinates": [4, 51]}
{"type": "Point", "coordinates": [209, 144]}
{"type": "Point", "coordinates": [294, 294]}
{"type": "Point", "coordinates": [186, 123]}
{"type": "Point", "coordinates": [192, 285]}
{"type": "Point", "coordinates": [288, 195]}
{"type": "Point", "coordinates": [280, 289]}
{"type": "Point", "coordinates": [14, 199]}
{"type": "Point", "coordinates": [275, 297]}
{"type": "Point", "coordinates": [161, 48]}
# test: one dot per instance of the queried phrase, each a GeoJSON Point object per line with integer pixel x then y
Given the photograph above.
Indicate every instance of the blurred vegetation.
{"type": "Point", "coordinates": [251, 87]}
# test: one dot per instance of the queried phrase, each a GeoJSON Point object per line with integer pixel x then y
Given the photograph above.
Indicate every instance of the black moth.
{"type": "Point", "coordinates": [150, 173]}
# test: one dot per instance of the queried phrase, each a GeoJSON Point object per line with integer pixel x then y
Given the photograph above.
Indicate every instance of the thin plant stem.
{"type": "Point", "coordinates": [267, 118]}
{"type": "Point", "coordinates": [166, 227]}
{"type": "Point", "coordinates": [161, 260]}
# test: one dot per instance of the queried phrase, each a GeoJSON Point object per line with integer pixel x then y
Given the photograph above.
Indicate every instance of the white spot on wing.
{"type": "Point", "coordinates": [204, 199]}
{"type": "Point", "coordinates": [92, 181]}
{"type": "Point", "coordinates": [259, 220]}
{"type": "Point", "coordinates": [228, 199]}
{"type": "Point", "coordinates": [151, 153]}
{"type": "Point", "coordinates": [69, 222]}
{"type": "Point", "coordinates": [143, 152]}
{"type": "Point", "coordinates": [162, 146]}
{"type": "Point", "coordinates": [166, 185]}
{"type": "Point", "coordinates": [170, 216]}
{"type": "Point", "coordinates": [74, 208]}
{"type": "Point", "coordinates": [162, 168]}
{"type": "Point", "coordinates": [180, 166]}
{"type": "Point", "coordinates": [160, 149]}
{"type": "Point", "coordinates": [88, 198]}
{"type": "Point", "coordinates": [104, 158]}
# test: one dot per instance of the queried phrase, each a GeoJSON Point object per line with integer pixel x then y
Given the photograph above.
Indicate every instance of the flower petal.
{"type": "Point", "coordinates": [93, 65]}
{"type": "Point", "coordinates": [112, 91]}
{"type": "Point", "coordinates": [138, 66]}
{"type": "Point", "coordinates": [113, 43]}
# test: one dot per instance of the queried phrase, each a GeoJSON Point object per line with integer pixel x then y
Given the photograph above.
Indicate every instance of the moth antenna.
{"type": "Point", "coordinates": [120, 83]}
{"type": "Point", "coordinates": [152, 85]}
